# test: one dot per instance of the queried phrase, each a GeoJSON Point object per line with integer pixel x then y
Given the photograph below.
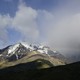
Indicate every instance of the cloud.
{"type": "Point", "coordinates": [64, 35]}
{"type": "Point", "coordinates": [5, 21]}
{"type": "Point", "coordinates": [61, 31]}
{"type": "Point", "coordinates": [28, 21]}
{"type": "Point", "coordinates": [25, 21]}
{"type": "Point", "coordinates": [45, 22]}
{"type": "Point", "coordinates": [32, 23]}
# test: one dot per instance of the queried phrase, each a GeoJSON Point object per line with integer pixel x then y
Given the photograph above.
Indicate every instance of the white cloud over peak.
{"type": "Point", "coordinates": [31, 23]}
{"type": "Point", "coordinates": [25, 21]}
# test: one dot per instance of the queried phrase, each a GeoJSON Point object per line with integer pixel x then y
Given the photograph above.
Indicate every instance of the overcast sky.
{"type": "Point", "coordinates": [51, 22]}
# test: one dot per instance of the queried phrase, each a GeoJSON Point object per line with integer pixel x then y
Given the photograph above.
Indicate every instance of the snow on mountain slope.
{"type": "Point", "coordinates": [22, 49]}
{"type": "Point", "coordinates": [27, 46]}
{"type": "Point", "coordinates": [45, 50]}
{"type": "Point", "coordinates": [41, 48]}
{"type": "Point", "coordinates": [13, 48]}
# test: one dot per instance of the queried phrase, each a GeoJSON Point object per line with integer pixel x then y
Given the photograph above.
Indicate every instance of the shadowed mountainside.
{"type": "Point", "coordinates": [30, 71]}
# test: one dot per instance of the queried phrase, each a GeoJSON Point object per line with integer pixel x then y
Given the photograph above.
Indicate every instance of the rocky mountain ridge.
{"type": "Point", "coordinates": [23, 53]}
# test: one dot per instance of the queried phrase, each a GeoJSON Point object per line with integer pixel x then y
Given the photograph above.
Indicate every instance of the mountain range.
{"type": "Point", "coordinates": [24, 53]}
{"type": "Point", "coordinates": [24, 61]}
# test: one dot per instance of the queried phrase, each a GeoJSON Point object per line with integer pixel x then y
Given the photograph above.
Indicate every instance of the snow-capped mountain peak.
{"type": "Point", "coordinates": [31, 47]}
{"type": "Point", "coordinates": [13, 48]}
{"type": "Point", "coordinates": [21, 49]}
{"type": "Point", "coordinates": [27, 46]}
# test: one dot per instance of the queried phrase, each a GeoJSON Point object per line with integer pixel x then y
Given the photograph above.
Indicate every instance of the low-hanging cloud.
{"type": "Point", "coordinates": [63, 29]}
{"type": "Point", "coordinates": [65, 34]}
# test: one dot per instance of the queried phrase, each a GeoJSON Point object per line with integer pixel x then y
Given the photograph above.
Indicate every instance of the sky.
{"type": "Point", "coordinates": [55, 23]}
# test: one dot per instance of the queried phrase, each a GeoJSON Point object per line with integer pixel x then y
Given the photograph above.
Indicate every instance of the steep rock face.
{"type": "Point", "coordinates": [14, 52]}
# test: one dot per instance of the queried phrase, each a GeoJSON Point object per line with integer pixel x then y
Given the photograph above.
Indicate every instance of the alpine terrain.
{"type": "Point", "coordinates": [24, 53]}
{"type": "Point", "coordinates": [24, 61]}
